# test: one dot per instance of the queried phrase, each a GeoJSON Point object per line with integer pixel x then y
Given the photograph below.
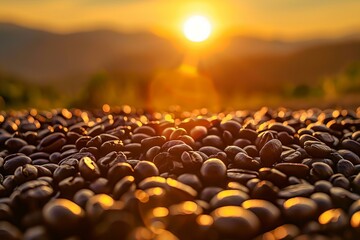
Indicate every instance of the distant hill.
{"type": "Point", "coordinates": [44, 57]}
{"type": "Point", "coordinates": [247, 62]}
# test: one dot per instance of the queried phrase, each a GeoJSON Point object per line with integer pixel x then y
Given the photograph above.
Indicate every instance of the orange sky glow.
{"type": "Point", "coordinates": [266, 18]}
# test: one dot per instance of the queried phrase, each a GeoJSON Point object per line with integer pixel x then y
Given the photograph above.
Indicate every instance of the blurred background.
{"type": "Point", "coordinates": [87, 53]}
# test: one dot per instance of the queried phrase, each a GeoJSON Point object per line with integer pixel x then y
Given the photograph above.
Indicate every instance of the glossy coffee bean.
{"type": "Point", "coordinates": [300, 209]}
{"type": "Point", "coordinates": [213, 172]}
{"type": "Point", "coordinates": [145, 169]}
{"type": "Point", "coordinates": [270, 152]}
{"type": "Point", "coordinates": [62, 215]}
{"type": "Point", "coordinates": [88, 169]}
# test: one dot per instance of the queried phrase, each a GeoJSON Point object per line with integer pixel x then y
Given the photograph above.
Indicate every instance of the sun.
{"type": "Point", "coordinates": [197, 28]}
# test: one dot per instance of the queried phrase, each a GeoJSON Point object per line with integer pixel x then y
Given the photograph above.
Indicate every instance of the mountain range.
{"type": "Point", "coordinates": [38, 56]}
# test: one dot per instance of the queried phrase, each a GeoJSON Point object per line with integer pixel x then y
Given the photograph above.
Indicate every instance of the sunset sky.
{"type": "Point", "coordinates": [267, 18]}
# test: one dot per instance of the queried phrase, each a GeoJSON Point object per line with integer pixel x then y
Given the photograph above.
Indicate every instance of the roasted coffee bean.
{"type": "Point", "coordinates": [97, 204]}
{"type": "Point", "coordinates": [88, 169]}
{"type": "Point", "coordinates": [82, 196]}
{"type": "Point", "coordinates": [321, 170]}
{"type": "Point", "coordinates": [300, 209]}
{"type": "Point", "coordinates": [345, 167]}
{"type": "Point", "coordinates": [124, 185]}
{"type": "Point", "coordinates": [242, 160]}
{"type": "Point", "coordinates": [334, 220]}
{"type": "Point", "coordinates": [152, 141]}
{"type": "Point", "coordinates": [64, 171]}
{"type": "Point", "coordinates": [9, 231]}
{"type": "Point", "coordinates": [145, 169]}
{"type": "Point", "coordinates": [293, 169]}
{"type": "Point", "coordinates": [275, 176]}
{"type": "Point", "coordinates": [100, 185]}
{"type": "Point", "coordinates": [323, 201]}
{"type": "Point", "coordinates": [297, 190]}
{"type": "Point", "coordinates": [235, 222]}
{"type": "Point", "coordinates": [213, 172]}
{"type": "Point", "coordinates": [349, 155]}
{"type": "Point", "coordinates": [198, 132]}
{"type": "Point", "coordinates": [317, 149]}
{"type": "Point", "coordinates": [265, 190]}
{"type": "Point", "coordinates": [228, 198]}
{"type": "Point", "coordinates": [13, 162]}
{"type": "Point", "coordinates": [177, 133]}
{"type": "Point", "coordinates": [15, 144]}
{"type": "Point", "coordinates": [70, 185]}
{"type": "Point", "coordinates": [62, 215]}
{"type": "Point", "coordinates": [25, 173]}
{"type": "Point", "coordinates": [36, 232]}
{"type": "Point", "coordinates": [267, 213]}
{"type": "Point", "coordinates": [191, 180]}
{"type": "Point", "coordinates": [52, 142]}
{"type": "Point", "coordinates": [191, 160]}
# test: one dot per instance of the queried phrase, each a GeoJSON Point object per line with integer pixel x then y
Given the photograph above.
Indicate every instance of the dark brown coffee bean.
{"type": "Point", "coordinates": [82, 196]}
{"type": "Point", "coordinates": [179, 149]}
{"type": "Point", "coordinates": [63, 172]}
{"type": "Point", "coordinates": [25, 173]}
{"type": "Point", "coordinates": [36, 232]}
{"type": "Point", "coordinates": [118, 171]}
{"type": "Point", "coordinates": [297, 190]}
{"type": "Point", "coordinates": [82, 142]}
{"type": "Point", "coordinates": [97, 204]}
{"type": "Point", "coordinates": [14, 144]}
{"type": "Point", "coordinates": [235, 222]}
{"type": "Point", "coordinates": [265, 190]}
{"type": "Point", "coordinates": [198, 132]}
{"type": "Point", "coordinates": [70, 185]}
{"type": "Point", "coordinates": [293, 169]}
{"type": "Point", "coordinates": [209, 192]}
{"type": "Point", "coordinates": [321, 170]}
{"type": "Point", "coordinates": [270, 152]}
{"type": "Point", "coordinates": [145, 169]}
{"type": "Point", "coordinates": [345, 167]}
{"type": "Point", "coordinates": [209, 150]}
{"type": "Point", "coordinates": [275, 176]}
{"type": "Point", "coordinates": [213, 140]}
{"type": "Point", "coordinates": [88, 169]}
{"type": "Point", "coordinates": [111, 145]}
{"type": "Point", "coordinates": [191, 160]}
{"type": "Point", "coordinates": [177, 133]}
{"type": "Point", "coordinates": [334, 220]}
{"type": "Point", "coordinates": [213, 172]}
{"type": "Point", "coordinates": [228, 198]}
{"type": "Point", "coordinates": [150, 142]}
{"type": "Point", "coordinates": [317, 149]}
{"type": "Point", "coordinates": [191, 180]}
{"type": "Point", "coordinates": [124, 185]}
{"type": "Point", "coordinates": [323, 201]}
{"type": "Point", "coordinates": [9, 231]}
{"type": "Point", "coordinates": [13, 162]}
{"type": "Point", "coordinates": [251, 150]}
{"type": "Point", "coordinates": [27, 150]}
{"type": "Point", "coordinates": [349, 155]}
{"type": "Point", "coordinates": [100, 185]}
{"type": "Point", "coordinates": [351, 145]}
{"type": "Point", "coordinates": [242, 160]}
{"type": "Point", "coordinates": [342, 197]}
{"type": "Point", "coordinates": [248, 134]}
{"type": "Point", "coordinates": [232, 126]}
{"type": "Point", "coordinates": [268, 213]}
{"type": "Point", "coordinates": [300, 209]}
{"type": "Point", "coordinates": [62, 215]}
{"type": "Point", "coordinates": [52, 142]}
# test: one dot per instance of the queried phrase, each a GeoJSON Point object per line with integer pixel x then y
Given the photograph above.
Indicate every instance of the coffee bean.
{"type": "Point", "coordinates": [228, 198]}
{"type": "Point", "coordinates": [317, 149]}
{"type": "Point", "coordinates": [345, 167]}
{"type": "Point", "coordinates": [300, 209]}
{"type": "Point", "coordinates": [297, 190]}
{"type": "Point", "coordinates": [88, 169]}
{"type": "Point", "coordinates": [145, 169]}
{"type": "Point", "coordinates": [213, 172]}
{"type": "Point", "coordinates": [265, 190]}
{"type": "Point", "coordinates": [9, 231]}
{"type": "Point", "coordinates": [334, 220]}
{"type": "Point", "coordinates": [293, 169]}
{"type": "Point", "coordinates": [323, 201]}
{"type": "Point", "coordinates": [270, 152]}
{"type": "Point", "coordinates": [62, 215]}
{"type": "Point", "coordinates": [267, 213]}
{"type": "Point", "coordinates": [15, 144]}
{"type": "Point", "coordinates": [11, 163]}
{"type": "Point", "coordinates": [321, 170]}
{"type": "Point", "coordinates": [82, 196]}
{"type": "Point", "coordinates": [235, 222]}
{"type": "Point", "coordinates": [25, 173]}
{"type": "Point", "coordinates": [52, 142]}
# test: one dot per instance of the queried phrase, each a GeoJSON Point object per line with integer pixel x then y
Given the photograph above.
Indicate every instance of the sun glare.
{"type": "Point", "coordinates": [197, 28]}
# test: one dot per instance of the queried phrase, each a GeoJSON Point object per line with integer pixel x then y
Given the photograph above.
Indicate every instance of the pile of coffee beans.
{"type": "Point", "coordinates": [131, 174]}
